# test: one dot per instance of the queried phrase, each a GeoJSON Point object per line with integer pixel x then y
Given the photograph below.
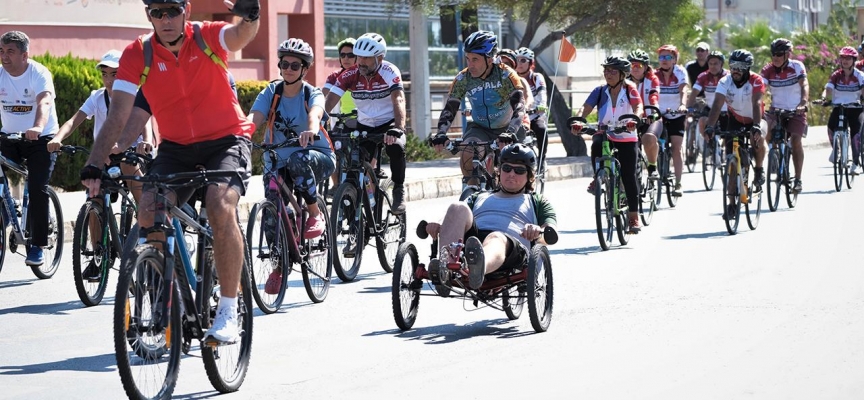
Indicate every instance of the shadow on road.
{"type": "Point", "coordinates": [373, 290]}
{"type": "Point", "coordinates": [821, 191]}
{"type": "Point", "coordinates": [57, 308]}
{"type": "Point", "coordinates": [449, 333]}
{"type": "Point", "coordinates": [20, 282]}
{"type": "Point", "coordinates": [100, 363]}
{"type": "Point", "coordinates": [704, 235]}
{"type": "Point", "coordinates": [584, 251]}
{"type": "Point", "coordinates": [197, 395]}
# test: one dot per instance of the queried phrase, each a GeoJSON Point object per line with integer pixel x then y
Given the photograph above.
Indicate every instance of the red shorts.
{"type": "Point", "coordinates": [797, 125]}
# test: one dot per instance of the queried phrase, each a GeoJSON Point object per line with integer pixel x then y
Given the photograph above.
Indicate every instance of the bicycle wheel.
{"type": "Point", "coordinates": [513, 300]}
{"type": "Point", "coordinates": [692, 152]}
{"type": "Point", "coordinates": [847, 166]}
{"type": "Point", "coordinates": [147, 351]}
{"type": "Point", "coordinates": [54, 250]}
{"type": "Point", "coordinates": [319, 266]}
{"type": "Point", "coordinates": [603, 210]}
{"type": "Point", "coordinates": [647, 192]}
{"type": "Point", "coordinates": [670, 182]}
{"type": "Point", "coordinates": [731, 220]}
{"type": "Point", "coordinates": [709, 169]}
{"type": "Point", "coordinates": [393, 229]}
{"type": "Point", "coordinates": [540, 288]}
{"type": "Point", "coordinates": [88, 251]}
{"type": "Point", "coordinates": [405, 290]}
{"type": "Point", "coordinates": [622, 216]}
{"type": "Point", "coordinates": [226, 365]}
{"type": "Point", "coordinates": [347, 223]}
{"type": "Point", "coordinates": [791, 196]}
{"type": "Point", "coordinates": [773, 180]}
{"type": "Point", "coordinates": [662, 173]}
{"type": "Point", "coordinates": [753, 206]}
{"type": "Point", "coordinates": [3, 244]}
{"type": "Point", "coordinates": [468, 192]}
{"type": "Point", "coordinates": [838, 162]}
{"type": "Point", "coordinates": [268, 248]}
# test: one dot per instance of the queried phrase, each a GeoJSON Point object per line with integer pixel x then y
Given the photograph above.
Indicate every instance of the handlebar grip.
{"type": "Point", "coordinates": [421, 230]}
{"type": "Point", "coordinates": [550, 235]}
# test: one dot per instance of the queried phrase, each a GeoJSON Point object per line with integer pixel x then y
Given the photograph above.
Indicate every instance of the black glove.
{"type": "Point", "coordinates": [755, 130]}
{"type": "Point", "coordinates": [247, 9]}
{"type": "Point", "coordinates": [395, 132]}
{"type": "Point", "coordinates": [91, 171]}
{"type": "Point", "coordinates": [507, 137]}
{"type": "Point", "coordinates": [438, 139]}
{"type": "Point", "coordinates": [709, 130]}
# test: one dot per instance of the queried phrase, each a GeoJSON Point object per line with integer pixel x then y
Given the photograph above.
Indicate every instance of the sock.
{"type": "Point", "coordinates": [230, 302]}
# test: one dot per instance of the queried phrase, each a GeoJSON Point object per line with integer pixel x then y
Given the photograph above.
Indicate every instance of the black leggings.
{"type": "Point", "coordinates": [40, 164]}
{"type": "Point", "coordinates": [395, 152]}
{"type": "Point", "coordinates": [627, 158]}
{"type": "Point", "coordinates": [538, 126]}
{"type": "Point", "coordinates": [850, 115]}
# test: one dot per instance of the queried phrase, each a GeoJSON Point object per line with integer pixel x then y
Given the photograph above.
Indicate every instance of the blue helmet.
{"type": "Point", "coordinates": [484, 43]}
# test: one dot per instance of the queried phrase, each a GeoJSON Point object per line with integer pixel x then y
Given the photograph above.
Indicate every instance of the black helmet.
{"type": "Point", "coordinates": [509, 54]}
{"type": "Point", "coordinates": [742, 58]}
{"type": "Point", "coordinates": [781, 45]}
{"type": "Point", "coordinates": [484, 43]}
{"type": "Point", "coordinates": [718, 55]}
{"type": "Point", "coordinates": [518, 153]}
{"type": "Point", "coordinates": [639, 55]}
{"type": "Point", "coordinates": [149, 2]}
{"type": "Point", "coordinates": [619, 63]}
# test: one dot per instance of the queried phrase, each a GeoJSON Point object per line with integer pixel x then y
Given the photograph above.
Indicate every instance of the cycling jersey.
{"type": "Point", "coordinates": [489, 99]}
{"type": "Point", "coordinates": [707, 82]}
{"type": "Point", "coordinates": [694, 70]}
{"type": "Point", "coordinates": [846, 89]}
{"type": "Point", "coordinates": [608, 112]}
{"type": "Point", "coordinates": [190, 95]}
{"type": "Point", "coordinates": [785, 83]}
{"type": "Point", "coordinates": [670, 89]}
{"type": "Point", "coordinates": [18, 99]}
{"type": "Point", "coordinates": [740, 99]}
{"type": "Point", "coordinates": [346, 103]}
{"type": "Point", "coordinates": [648, 88]}
{"type": "Point", "coordinates": [537, 85]}
{"type": "Point", "coordinates": [371, 94]}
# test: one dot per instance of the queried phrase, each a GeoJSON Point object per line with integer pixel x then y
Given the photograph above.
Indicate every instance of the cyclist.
{"type": "Point", "coordinates": [498, 227]}
{"type": "Point", "coordinates": [612, 100]}
{"type": "Point", "coordinates": [200, 123]}
{"type": "Point", "coordinates": [787, 81]}
{"type": "Point", "coordinates": [508, 58]}
{"type": "Point", "coordinates": [647, 83]}
{"type": "Point", "coordinates": [673, 97]}
{"type": "Point", "coordinates": [347, 59]}
{"type": "Point", "coordinates": [707, 83]}
{"type": "Point", "coordinates": [699, 65]}
{"type": "Point", "coordinates": [28, 94]}
{"type": "Point", "coordinates": [376, 86]}
{"type": "Point", "coordinates": [742, 92]}
{"type": "Point", "coordinates": [96, 106]}
{"type": "Point", "coordinates": [537, 87]}
{"type": "Point", "coordinates": [845, 86]}
{"type": "Point", "coordinates": [495, 93]}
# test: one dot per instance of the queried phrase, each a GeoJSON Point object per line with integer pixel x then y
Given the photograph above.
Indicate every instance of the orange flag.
{"type": "Point", "coordinates": [567, 52]}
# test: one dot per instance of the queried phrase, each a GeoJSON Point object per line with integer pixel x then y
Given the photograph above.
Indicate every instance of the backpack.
{"type": "Point", "coordinates": [277, 98]}
{"type": "Point", "coordinates": [199, 40]}
{"type": "Point", "coordinates": [603, 93]}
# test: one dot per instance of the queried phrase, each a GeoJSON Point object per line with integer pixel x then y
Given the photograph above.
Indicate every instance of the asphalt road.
{"type": "Point", "coordinates": [685, 311]}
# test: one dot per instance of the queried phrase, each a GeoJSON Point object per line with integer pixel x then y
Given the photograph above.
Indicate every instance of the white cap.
{"type": "Point", "coordinates": [703, 46]}
{"type": "Point", "coordinates": [111, 59]}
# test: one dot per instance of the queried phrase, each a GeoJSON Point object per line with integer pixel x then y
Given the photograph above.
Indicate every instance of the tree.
{"type": "Point", "coordinates": [612, 23]}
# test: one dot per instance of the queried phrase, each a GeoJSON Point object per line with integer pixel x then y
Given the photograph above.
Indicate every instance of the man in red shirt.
{"type": "Point", "coordinates": [200, 121]}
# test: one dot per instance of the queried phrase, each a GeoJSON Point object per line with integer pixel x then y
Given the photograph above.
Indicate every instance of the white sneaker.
{"type": "Point", "coordinates": [854, 169]}
{"type": "Point", "coordinates": [225, 329]}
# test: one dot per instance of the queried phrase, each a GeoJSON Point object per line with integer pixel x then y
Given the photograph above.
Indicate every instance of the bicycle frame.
{"type": "Point", "coordinates": [736, 168]}
{"type": "Point", "coordinates": [479, 166]}
{"type": "Point", "coordinates": [360, 173]}
{"type": "Point", "coordinates": [9, 205]}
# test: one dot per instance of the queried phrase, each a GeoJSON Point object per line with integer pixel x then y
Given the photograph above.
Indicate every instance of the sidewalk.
{"type": "Point", "coordinates": [425, 179]}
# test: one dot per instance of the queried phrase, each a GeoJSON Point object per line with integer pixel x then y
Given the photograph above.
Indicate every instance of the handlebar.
{"type": "Point", "coordinates": [339, 116]}
{"type": "Point", "coordinates": [455, 144]}
{"type": "Point", "coordinates": [69, 149]}
{"type": "Point", "coordinates": [549, 233]}
{"type": "Point", "coordinates": [292, 142]}
{"type": "Point", "coordinates": [826, 103]}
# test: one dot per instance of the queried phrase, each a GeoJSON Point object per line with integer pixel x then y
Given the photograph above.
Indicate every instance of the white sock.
{"type": "Point", "coordinates": [230, 302]}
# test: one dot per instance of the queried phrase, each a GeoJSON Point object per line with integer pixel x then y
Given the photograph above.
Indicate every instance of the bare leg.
{"type": "Point", "coordinates": [677, 161]}
{"type": "Point", "coordinates": [797, 155]}
{"type": "Point", "coordinates": [227, 238]}
{"type": "Point", "coordinates": [457, 221]}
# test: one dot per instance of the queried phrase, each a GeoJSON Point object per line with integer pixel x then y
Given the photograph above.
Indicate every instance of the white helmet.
{"type": "Point", "coordinates": [525, 52]}
{"type": "Point", "coordinates": [297, 48]}
{"type": "Point", "coordinates": [370, 45]}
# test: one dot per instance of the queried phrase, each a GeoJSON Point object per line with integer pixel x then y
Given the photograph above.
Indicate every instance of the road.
{"type": "Point", "coordinates": [685, 311]}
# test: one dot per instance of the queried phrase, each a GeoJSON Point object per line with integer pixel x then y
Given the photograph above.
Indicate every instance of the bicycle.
{"type": "Point", "coordinates": [162, 303]}
{"type": "Point", "coordinates": [274, 233]}
{"type": "Point", "coordinates": [362, 208]}
{"type": "Point", "coordinates": [97, 217]}
{"type": "Point", "coordinates": [736, 190]}
{"type": "Point", "coordinates": [779, 161]}
{"type": "Point", "coordinates": [712, 159]}
{"type": "Point", "coordinates": [15, 214]}
{"type": "Point", "coordinates": [664, 163]}
{"type": "Point", "coordinates": [647, 186]}
{"type": "Point", "coordinates": [610, 202]}
{"type": "Point", "coordinates": [482, 169]}
{"type": "Point", "coordinates": [343, 123]}
{"type": "Point", "coordinates": [840, 146]}
{"type": "Point", "coordinates": [692, 139]}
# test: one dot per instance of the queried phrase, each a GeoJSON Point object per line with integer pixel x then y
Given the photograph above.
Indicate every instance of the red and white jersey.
{"type": "Point", "coordinates": [847, 89]}
{"type": "Point", "coordinates": [649, 88]}
{"type": "Point", "coordinates": [371, 94]}
{"type": "Point", "coordinates": [785, 83]}
{"type": "Point", "coordinates": [708, 82]}
{"type": "Point", "coordinates": [670, 89]}
{"type": "Point", "coordinates": [740, 99]}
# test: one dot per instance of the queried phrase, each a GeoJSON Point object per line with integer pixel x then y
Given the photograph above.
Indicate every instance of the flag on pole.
{"type": "Point", "coordinates": [567, 52]}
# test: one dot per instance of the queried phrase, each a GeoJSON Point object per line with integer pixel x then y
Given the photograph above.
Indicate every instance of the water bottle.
{"type": "Point", "coordinates": [370, 191]}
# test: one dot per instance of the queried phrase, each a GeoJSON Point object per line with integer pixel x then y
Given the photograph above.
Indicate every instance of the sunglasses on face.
{"type": "Point", "coordinates": [171, 12]}
{"type": "Point", "coordinates": [637, 65]}
{"type": "Point", "coordinates": [778, 54]}
{"type": "Point", "coordinates": [515, 170]}
{"type": "Point", "coordinates": [295, 66]}
{"type": "Point", "coordinates": [666, 57]}
{"type": "Point", "coordinates": [609, 71]}
{"type": "Point", "coordinates": [524, 61]}
{"type": "Point", "coordinates": [347, 55]}
{"type": "Point", "coordinates": [701, 50]}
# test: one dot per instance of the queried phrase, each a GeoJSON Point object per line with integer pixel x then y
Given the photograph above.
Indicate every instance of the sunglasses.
{"type": "Point", "coordinates": [171, 12]}
{"type": "Point", "coordinates": [739, 67]}
{"type": "Point", "coordinates": [516, 170]}
{"type": "Point", "coordinates": [295, 66]}
{"type": "Point", "coordinates": [524, 60]}
{"type": "Point", "coordinates": [701, 50]}
{"type": "Point", "coordinates": [637, 65]}
{"type": "Point", "coordinates": [778, 54]}
{"type": "Point", "coordinates": [347, 55]}
{"type": "Point", "coordinates": [609, 71]}
{"type": "Point", "coordinates": [666, 57]}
